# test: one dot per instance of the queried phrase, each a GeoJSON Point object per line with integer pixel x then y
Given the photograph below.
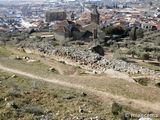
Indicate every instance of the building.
{"type": "Point", "coordinates": [95, 15]}
{"type": "Point", "coordinates": [55, 15]}
{"type": "Point", "coordinates": [63, 30]}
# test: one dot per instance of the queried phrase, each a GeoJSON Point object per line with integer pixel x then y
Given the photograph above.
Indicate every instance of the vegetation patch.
{"type": "Point", "coordinates": [4, 52]}
{"type": "Point", "coordinates": [157, 84]}
{"type": "Point", "coordinates": [142, 81]}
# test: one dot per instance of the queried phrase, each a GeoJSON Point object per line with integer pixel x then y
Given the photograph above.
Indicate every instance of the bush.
{"type": "Point", "coordinates": [131, 52]}
{"type": "Point", "coordinates": [64, 43]}
{"type": "Point", "coordinates": [119, 55]}
{"type": "Point", "coordinates": [124, 117]}
{"type": "Point", "coordinates": [154, 55]}
{"type": "Point", "coordinates": [157, 42]}
{"type": "Point", "coordinates": [79, 42]}
{"type": "Point", "coordinates": [157, 84]}
{"type": "Point", "coordinates": [142, 81]}
{"type": "Point", "coordinates": [158, 58]}
{"type": "Point", "coordinates": [116, 108]}
{"type": "Point", "coordinates": [145, 56]}
{"type": "Point", "coordinates": [33, 110]}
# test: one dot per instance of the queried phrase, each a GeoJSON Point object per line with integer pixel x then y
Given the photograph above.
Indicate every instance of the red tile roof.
{"type": "Point", "coordinates": [60, 29]}
{"type": "Point", "coordinates": [64, 22]}
{"type": "Point", "coordinates": [158, 26]}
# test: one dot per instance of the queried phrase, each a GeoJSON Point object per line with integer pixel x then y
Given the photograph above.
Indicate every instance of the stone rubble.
{"type": "Point", "coordinates": [85, 58]}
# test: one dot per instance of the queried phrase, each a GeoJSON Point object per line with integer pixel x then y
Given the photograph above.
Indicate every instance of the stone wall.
{"type": "Point", "coordinates": [86, 59]}
{"type": "Point", "coordinates": [92, 61]}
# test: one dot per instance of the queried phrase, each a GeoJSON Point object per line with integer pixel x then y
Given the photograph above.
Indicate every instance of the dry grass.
{"type": "Point", "coordinates": [35, 98]}
{"type": "Point", "coordinates": [46, 95]}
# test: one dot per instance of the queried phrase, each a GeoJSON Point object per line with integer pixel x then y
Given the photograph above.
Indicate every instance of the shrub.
{"type": "Point", "coordinates": [33, 110]}
{"type": "Point", "coordinates": [157, 42]}
{"type": "Point", "coordinates": [116, 108]}
{"type": "Point", "coordinates": [124, 117]}
{"type": "Point", "coordinates": [79, 42]}
{"type": "Point", "coordinates": [157, 84]}
{"type": "Point", "coordinates": [143, 56]}
{"type": "Point", "coordinates": [142, 81]}
{"type": "Point", "coordinates": [64, 43]}
{"type": "Point", "coordinates": [154, 55]}
{"type": "Point", "coordinates": [158, 58]}
{"type": "Point", "coordinates": [119, 55]}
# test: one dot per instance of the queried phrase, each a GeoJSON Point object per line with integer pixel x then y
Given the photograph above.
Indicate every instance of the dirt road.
{"type": "Point", "coordinates": [135, 104]}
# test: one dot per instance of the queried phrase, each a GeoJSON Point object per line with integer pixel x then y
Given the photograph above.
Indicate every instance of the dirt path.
{"type": "Point", "coordinates": [135, 104]}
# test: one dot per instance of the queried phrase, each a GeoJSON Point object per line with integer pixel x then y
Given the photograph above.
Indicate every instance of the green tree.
{"type": "Point", "coordinates": [139, 33]}
{"type": "Point", "coordinates": [111, 30]}
{"type": "Point", "coordinates": [133, 33]}
{"type": "Point", "coordinates": [158, 58]}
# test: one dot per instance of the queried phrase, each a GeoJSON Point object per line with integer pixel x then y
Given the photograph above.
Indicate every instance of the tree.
{"type": "Point", "coordinates": [158, 58]}
{"type": "Point", "coordinates": [150, 3]}
{"type": "Point", "coordinates": [133, 33]}
{"type": "Point", "coordinates": [139, 33]}
{"type": "Point", "coordinates": [126, 31]}
{"type": "Point", "coordinates": [111, 30]}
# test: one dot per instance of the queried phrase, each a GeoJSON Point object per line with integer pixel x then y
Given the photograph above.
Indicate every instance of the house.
{"type": "Point", "coordinates": [61, 33]}
{"type": "Point", "coordinates": [158, 27]}
{"type": "Point", "coordinates": [63, 30]}
{"type": "Point", "coordinates": [146, 26]}
{"type": "Point", "coordinates": [55, 15]}
{"type": "Point", "coordinates": [2, 18]}
{"type": "Point", "coordinates": [11, 18]}
{"type": "Point", "coordinates": [42, 29]}
{"type": "Point", "coordinates": [66, 23]}
{"type": "Point", "coordinates": [79, 33]}
{"type": "Point", "coordinates": [95, 29]}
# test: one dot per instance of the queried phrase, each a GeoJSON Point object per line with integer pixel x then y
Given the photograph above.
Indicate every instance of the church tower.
{"type": "Point", "coordinates": [95, 15]}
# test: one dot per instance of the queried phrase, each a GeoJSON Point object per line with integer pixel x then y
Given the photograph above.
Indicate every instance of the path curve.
{"type": "Point", "coordinates": [135, 104]}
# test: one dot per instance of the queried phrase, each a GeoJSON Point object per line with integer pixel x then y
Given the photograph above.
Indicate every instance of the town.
{"type": "Point", "coordinates": [23, 17]}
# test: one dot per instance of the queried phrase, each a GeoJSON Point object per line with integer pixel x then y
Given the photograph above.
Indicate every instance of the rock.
{"type": "Point", "coordinates": [94, 72]}
{"type": "Point", "coordinates": [89, 111]}
{"type": "Point", "coordinates": [13, 76]}
{"type": "Point", "coordinates": [51, 69]}
{"type": "Point", "coordinates": [80, 110]}
{"type": "Point", "coordinates": [5, 99]}
{"type": "Point", "coordinates": [11, 105]}
{"type": "Point", "coordinates": [30, 61]}
{"type": "Point", "coordinates": [84, 94]}
{"type": "Point", "coordinates": [26, 92]}
{"type": "Point", "coordinates": [91, 59]}
{"type": "Point", "coordinates": [26, 57]}
{"type": "Point", "coordinates": [97, 49]}
{"type": "Point", "coordinates": [17, 58]}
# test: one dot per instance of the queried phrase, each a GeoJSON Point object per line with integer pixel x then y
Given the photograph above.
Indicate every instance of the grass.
{"type": "Point", "coordinates": [142, 81]}
{"type": "Point", "coordinates": [42, 95]}
{"type": "Point", "coordinates": [45, 99]}
{"type": "Point", "coordinates": [33, 67]}
{"type": "Point", "coordinates": [4, 52]}
{"type": "Point", "coordinates": [41, 33]}
{"type": "Point", "coordinates": [48, 100]}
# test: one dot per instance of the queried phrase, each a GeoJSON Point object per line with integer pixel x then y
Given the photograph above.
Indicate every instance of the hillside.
{"type": "Point", "coordinates": [26, 95]}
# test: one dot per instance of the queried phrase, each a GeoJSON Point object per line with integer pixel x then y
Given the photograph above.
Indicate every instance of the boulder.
{"type": "Point", "coordinates": [97, 49]}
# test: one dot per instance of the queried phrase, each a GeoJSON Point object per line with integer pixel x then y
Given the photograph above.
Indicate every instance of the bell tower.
{"type": "Point", "coordinates": [95, 15]}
